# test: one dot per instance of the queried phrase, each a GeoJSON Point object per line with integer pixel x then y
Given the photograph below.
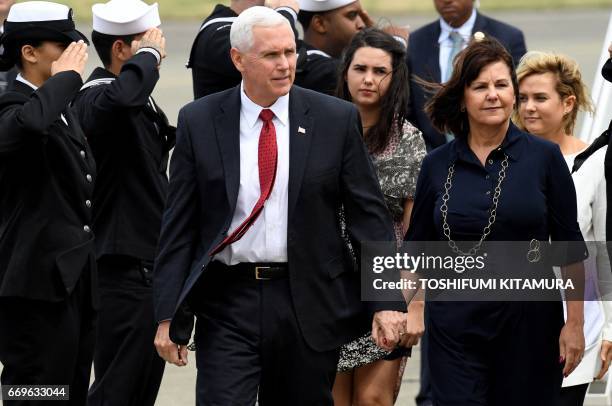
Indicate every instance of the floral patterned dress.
{"type": "Point", "coordinates": [397, 168]}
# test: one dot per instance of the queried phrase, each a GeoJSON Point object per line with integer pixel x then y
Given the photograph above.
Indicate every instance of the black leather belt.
{"type": "Point", "coordinates": [252, 270]}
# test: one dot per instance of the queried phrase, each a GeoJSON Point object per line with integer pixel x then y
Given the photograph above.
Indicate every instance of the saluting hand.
{"type": "Point", "coordinates": [73, 58]}
{"type": "Point", "coordinates": [168, 350]}
{"type": "Point", "coordinates": [152, 38]}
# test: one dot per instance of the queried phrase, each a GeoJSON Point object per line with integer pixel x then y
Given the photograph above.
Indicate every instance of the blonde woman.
{"type": "Point", "coordinates": [551, 92]}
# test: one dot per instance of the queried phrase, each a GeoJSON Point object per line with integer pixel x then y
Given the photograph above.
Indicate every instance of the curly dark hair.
{"type": "Point", "coordinates": [445, 107]}
{"type": "Point", "coordinates": [395, 102]}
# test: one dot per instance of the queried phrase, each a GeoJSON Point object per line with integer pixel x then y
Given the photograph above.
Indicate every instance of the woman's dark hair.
{"type": "Point", "coordinates": [394, 103]}
{"type": "Point", "coordinates": [104, 42]}
{"type": "Point", "coordinates": [445, 108]}
{"type": "Point", "coordinates": [14, 51]}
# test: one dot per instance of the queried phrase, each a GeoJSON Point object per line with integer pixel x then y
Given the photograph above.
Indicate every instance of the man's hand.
{"type": "Point", "coordinates": [169, 351]}
{"type": "Point", "coordinates": [387, 326]}
{"type": "Point", "coordinates": [415, 324]}
{"type": "Point", "coordinates": [153, 38]}
{"type": "Point", "coordinates": [73, 58]}
{"type": "Point", "coordinates": [606, 357]}
{"type": "Point", "coordinates": [274, 4]}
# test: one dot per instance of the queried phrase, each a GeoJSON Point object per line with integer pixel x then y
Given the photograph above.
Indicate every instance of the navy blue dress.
{"type": "Point", "coordinates": [496, 353]}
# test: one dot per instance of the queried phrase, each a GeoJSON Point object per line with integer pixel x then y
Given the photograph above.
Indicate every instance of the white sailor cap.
{"type": "Point", "coordinates": [36, 20]}
{"type": "Point", "coordinates": [323, 5]}
{"type": "Point", "coordinates": [124, 17]}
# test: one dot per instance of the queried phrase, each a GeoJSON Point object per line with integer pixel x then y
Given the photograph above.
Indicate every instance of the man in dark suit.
{"type": "Point", "coordinates": [250, 237]}
{"type": "Point", "coordinates": [432, 48]}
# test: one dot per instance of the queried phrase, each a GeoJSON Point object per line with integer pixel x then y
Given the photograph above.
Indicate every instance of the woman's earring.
{"type": "Point", "coordinates": [463, 109]}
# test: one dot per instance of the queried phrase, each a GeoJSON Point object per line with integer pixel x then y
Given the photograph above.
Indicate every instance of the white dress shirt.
{"type": "Point", "coordinates": [445, 42]}
{"type": "Point", "coordinates": [266, 239]}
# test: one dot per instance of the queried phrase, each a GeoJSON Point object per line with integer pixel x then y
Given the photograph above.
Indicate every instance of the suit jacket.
{"type": "Point", "coordinates": [328, 168]}
{"type": "Point", "coordinates": [47, 176]}
{"type": "Point", "coordinates": [424, 62]}
{"type": "Point", "coordinates": [130, 138]}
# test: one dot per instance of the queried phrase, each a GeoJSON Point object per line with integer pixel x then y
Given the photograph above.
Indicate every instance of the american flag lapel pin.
{"type": "Point", "coordinates": [301, 130]}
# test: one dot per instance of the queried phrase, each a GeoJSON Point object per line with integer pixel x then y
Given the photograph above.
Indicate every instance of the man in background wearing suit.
{"type": "Point", "coordinates": [432, 48]}
{"type": "Point", "coordinates": [250, 237]}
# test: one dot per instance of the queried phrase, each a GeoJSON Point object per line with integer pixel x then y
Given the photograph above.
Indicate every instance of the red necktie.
{"type": "Point", "coordinates": [267, 159]}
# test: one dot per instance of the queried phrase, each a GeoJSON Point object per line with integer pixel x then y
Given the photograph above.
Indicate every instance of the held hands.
{"type": "Point", "coordinates": [415, 324]}
{"type": "Point", "coordinates": [73, 58]}
{"type": "Point", "coordinates": [387, 328]}
{"type": "Point", "coordinates": [169, 351]}
{"type": "Point", "coordinates": [571, 346]}
{"type": "Point", "coordinates": [606, 357]}
{"type": "Point", "coordinates": [153, 38]}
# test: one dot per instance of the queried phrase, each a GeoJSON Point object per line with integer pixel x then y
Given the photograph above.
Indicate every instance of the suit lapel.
{"type": "Point", "coordinates": [480, 24]}
{"type": "Point", "coordinates": [433, 57]}
{"type": "Point", "coordinates": [227, 130]}
{"type": "Point", "coordinates": [300, 135]}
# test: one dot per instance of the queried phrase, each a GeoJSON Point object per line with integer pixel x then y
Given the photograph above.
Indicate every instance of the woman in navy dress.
{"type": "Point", "coordinates": [495, 353]}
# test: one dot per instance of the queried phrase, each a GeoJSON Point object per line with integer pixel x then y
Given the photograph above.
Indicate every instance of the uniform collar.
{"type": "Point", "coordinates": [101, 73]}
{"type": "Point", "coordinates": [26, 82]}
{"type": "Point", "coordinates": [251, 110]}
{"type": "Point", "coordinates": [512, 145]}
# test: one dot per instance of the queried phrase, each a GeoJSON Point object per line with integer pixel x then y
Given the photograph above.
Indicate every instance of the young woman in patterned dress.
{"type": "Point", "coordinates": [375, 78]}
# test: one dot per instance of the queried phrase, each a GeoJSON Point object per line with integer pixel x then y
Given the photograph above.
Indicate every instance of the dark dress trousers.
{"type": "Point", "coordinates": [496, 353]}
{"type": "Point", "coordinates": [47, 268]}
{"type": "Point", "coordinates": [281, 335]}
{"type": "Point", "coordinates": [424, 63]}
{"type": "Point", "coordinates": [130, 138]}
{"type": "Point", "coordinates": [212, 68]}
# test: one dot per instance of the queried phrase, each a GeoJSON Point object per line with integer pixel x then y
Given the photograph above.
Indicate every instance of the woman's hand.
{"type": "Point", "coordinates": [571, 346]}
{"type": "Point", "coordinates": [415, 325]}
{"type": "Point", "coordinates": [606, 356]}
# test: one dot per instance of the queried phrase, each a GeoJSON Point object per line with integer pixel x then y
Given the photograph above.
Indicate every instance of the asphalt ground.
{"type": "Point", "coordinates": [577, 33]}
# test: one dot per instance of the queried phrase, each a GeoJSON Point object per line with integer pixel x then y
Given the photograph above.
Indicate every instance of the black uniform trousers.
{"type": "Point", "coordinates": [494, 353]}
{"type": "Point", "coordinates": [127, 369]}
{"type": "Point", "coordinates": [249, 345]}
{"type": "Point", "coordinates": [49, 343]}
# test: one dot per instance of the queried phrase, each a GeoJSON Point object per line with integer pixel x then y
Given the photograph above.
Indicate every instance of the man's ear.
{"type": "Point", "coordinates": [318, 23]}
{"type": "Point", "coordinates": [28, 53]}
{"type": "Point", "coordinates": [121, 51]}
{"type": "Point", "coordinates": [237, 59]}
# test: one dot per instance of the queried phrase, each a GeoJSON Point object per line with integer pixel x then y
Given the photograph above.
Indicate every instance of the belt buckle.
{"type": "Point", "coordinates": [258, 269]}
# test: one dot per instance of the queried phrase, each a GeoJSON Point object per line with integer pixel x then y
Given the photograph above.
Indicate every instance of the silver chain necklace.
{"type": "Point", "coordinates": [487, 229]}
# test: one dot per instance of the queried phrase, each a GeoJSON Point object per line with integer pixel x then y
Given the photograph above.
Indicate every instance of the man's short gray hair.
{"type": "Point", "coordinates": [241, 34]}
